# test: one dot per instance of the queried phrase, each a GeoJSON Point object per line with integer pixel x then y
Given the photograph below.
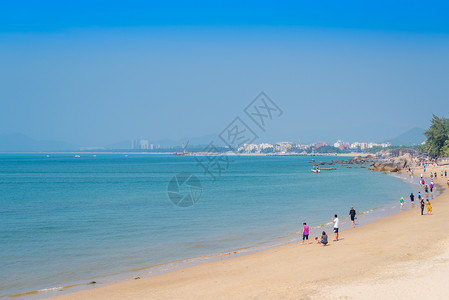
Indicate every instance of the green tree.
{"type": "Point", "coordinates": [445, 149]}
{"type": "Point", "coordinates": [327, 149]}
{"type": "Point", "coordinates": [437, 143]}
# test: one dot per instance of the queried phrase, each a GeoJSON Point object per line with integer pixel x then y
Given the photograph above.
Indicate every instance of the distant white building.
{"type": "Point", "coordinates": [144, 144]}
{"type": "Point", "coordinates": [265, 146]}
{"type": "Point", "coordinates": [140, 144]}
{"type": "Point", "coordinates": [340, 143]}
{"type": "Point", "coordinates": [283, 146]}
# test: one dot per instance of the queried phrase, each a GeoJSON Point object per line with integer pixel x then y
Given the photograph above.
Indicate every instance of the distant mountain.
{"type": "Point", "coordinates": [414, 136]}
{"type": "Point", "coordinates": [23, 143]}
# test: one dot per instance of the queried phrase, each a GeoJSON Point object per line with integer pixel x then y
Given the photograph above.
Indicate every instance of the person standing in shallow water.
{"type": "Point", "coordinates": [352, 213]}
{"type": "Point", "coordinates": [305, 232]}
{"type": "Point", "coordinates": [402, 202]}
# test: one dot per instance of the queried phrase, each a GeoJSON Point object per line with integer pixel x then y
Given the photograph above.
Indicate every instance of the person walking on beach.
{"type": "Point", "coordinates": [305, 232]}
{"type": "Point", "coordinates": [445, 173]}
{"type": "Point", "coordinates": [429, 207]}
{"type": "Point", "coordinates": [431, 187]}
{"type": "Point", "coordinates": [426, 189]}
{"type": "Point", "coordinates": [323, 239]}
{"type": "Point", "coordinates": [353, 215]}
{"type": "Point", "coordinates": [402, 202]}
{"type": "Point", "coordinates": [412, 200]}
{"type": "Point", "coordinates": [422, 206]}
{"type": "Point", "coordinates": [335, 221]}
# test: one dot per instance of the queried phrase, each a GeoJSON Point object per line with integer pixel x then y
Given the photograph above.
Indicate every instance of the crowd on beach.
{"type": "Point", "coordinates": [323, 238]}
{"type": "Point", "coordinates": [424, 203]}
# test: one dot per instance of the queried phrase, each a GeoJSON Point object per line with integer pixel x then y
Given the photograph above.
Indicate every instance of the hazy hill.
{"type": "Point", "coordinates": [23, 143]}
{"type": "Point", "coordinates": [414, 136]}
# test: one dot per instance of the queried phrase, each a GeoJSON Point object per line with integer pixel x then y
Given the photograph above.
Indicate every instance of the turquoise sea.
{"type": "Point", "coordinates": [67, 220]}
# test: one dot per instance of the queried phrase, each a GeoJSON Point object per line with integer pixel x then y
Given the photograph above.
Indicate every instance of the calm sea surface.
{"type": "Point", "coordinates": [70, 220]}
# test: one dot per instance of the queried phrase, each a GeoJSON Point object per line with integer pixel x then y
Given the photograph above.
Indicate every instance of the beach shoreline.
{"type": "Point", "coordinates": [251, 275]}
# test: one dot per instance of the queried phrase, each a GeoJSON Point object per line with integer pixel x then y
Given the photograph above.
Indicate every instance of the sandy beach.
{"type": "Point", "coordinates": [405, 256]}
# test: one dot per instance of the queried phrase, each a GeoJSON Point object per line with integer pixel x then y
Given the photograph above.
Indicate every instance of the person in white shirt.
{"type": "Point", "coordinates": [335, 221]}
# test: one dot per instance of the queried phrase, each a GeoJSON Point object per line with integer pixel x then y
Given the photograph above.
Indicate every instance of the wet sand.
{"type": "Point", "coordinates": [405, 256]}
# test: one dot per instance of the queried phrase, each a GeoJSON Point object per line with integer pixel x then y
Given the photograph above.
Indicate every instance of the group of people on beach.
{"type": "Point", "coordinates": [432, 175]}
{"type": "Point", "coordinates": [323, 240]}
{"type": "Point", "coordinates": [423, 202]}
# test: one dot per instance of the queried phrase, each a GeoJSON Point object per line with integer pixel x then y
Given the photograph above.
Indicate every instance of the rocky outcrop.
{"type": "Point", "coordinates": [389, 160]}
{"type": "Point", "coordinates": [443, 161]}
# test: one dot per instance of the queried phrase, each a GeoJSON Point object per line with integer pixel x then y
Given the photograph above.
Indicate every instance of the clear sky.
{"type": "Point", "coordinates": [99, 72]}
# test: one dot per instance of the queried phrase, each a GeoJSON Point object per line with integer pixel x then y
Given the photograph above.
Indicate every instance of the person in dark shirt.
{"type": "Point", "coordinates": [353, 215]}
{"type": "Point", "coordinates": [422, 206]}
{"type": "Point", "coordinates": [323, 239]}
{"type": "Point", "coordinates": [412, 199]}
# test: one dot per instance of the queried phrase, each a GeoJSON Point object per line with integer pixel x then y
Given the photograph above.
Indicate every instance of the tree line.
{"type": "Point", "coordinates": [437, 143]}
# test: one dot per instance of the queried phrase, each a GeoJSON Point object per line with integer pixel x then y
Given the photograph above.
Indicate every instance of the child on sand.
{"type": "Point", "coordinates": [323, 239]}
{"type": "Point", "coordinates": [429, 207]}
{"type": "Point", "coordinates": [305, 232]}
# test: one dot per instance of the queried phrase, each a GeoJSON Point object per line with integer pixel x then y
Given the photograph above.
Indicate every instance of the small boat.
{"type": "Point", "coordinates": [316, 170]}
{"type": "Point", "coordinates": [77, 155]}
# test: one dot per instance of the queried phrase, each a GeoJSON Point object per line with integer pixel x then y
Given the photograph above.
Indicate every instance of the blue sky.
{"type": "Point", "coordinates": [98, 72]}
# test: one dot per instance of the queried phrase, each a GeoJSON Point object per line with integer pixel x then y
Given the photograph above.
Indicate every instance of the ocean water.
{"type": "Point", "coordinates": [67, 220]}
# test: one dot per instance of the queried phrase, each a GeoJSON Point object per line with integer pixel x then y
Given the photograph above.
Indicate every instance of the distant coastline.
{"type": "Point", "coordinates": [229, 153]}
